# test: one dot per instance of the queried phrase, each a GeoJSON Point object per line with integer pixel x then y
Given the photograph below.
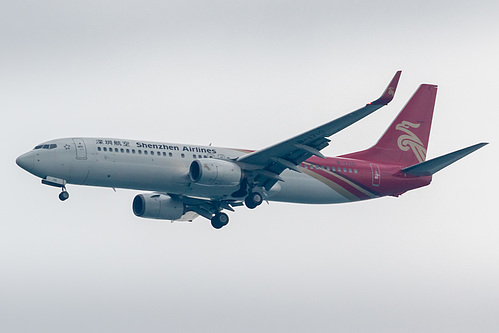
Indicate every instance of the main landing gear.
{"type": "Point", "coordinates": [253, 200]}
{"type": "Point", "coordinates": [219, 220]}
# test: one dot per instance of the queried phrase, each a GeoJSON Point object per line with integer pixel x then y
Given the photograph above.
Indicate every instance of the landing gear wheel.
{"type": "Point", "coordinates": [64, 195]}
{"type": "Point", "coordinates": [219, 220]}
{"type": "Point", "coordinates": [253, 200]}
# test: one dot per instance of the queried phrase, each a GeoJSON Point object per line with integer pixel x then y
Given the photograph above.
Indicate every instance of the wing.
{"type": "Point", "coordinates": [206, 208]}
{"type": "Point", "coordinates": [268, 163]}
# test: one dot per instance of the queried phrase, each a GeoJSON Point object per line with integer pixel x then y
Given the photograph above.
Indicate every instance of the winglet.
{"type": "Point", "coordinates": [389, 92]}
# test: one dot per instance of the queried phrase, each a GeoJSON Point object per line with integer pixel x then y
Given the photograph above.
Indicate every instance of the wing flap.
{"type": "Point", "coordinates": [310, 149]}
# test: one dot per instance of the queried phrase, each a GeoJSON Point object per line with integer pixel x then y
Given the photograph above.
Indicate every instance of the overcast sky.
{"type": "Point", "coordinates": [248, 74]}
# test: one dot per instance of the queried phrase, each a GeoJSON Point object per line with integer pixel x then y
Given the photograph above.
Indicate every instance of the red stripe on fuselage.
{"type": "Point", "coordinates": [355, 177]}
{"type": "Point", "coordinates": [342, 176]}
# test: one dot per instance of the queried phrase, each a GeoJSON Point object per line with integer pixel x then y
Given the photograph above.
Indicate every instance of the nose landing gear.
{"type": "Point", "coordinates": [64, 195]}
{"type": "Point", "coordinates": [57, 182]}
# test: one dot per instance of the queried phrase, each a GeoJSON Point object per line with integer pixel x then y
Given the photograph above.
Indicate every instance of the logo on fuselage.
{"type": "Point", "coordinates": [410, 140]}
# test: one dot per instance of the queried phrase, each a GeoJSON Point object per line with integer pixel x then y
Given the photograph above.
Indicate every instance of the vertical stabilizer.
{"type": "Point", "coordinates": [406, 140]}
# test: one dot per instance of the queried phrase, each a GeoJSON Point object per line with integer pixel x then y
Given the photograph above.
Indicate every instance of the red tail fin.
{"type": "Point", "coordinates": [406, 140]}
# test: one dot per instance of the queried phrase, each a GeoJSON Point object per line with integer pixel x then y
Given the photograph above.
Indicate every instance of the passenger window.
{"type": "Point", "coordinates": [115, 150]}
{"type": "Point", "coordinates": [164, 153]}
{"type": "Point", "coordinates": [344, 169]}
{"type": "Point", "coordinates": [122, 150]}
{"type": "Point", "coordinates": [105, 149]}
{"type": "Point", "coordinates": [99, 148]}
{"type": "Point", "coordinates": [349, 170]}
{"type": "Point", "coordinates": [140, 152]}
{"type": "Point", "coordinates": [170, 154]}
{"type": "Point", "coordinates": [183, 155]}
{"type": "Point", "coordinates": [146, 152]}
{"type": "Point", "coordinates": [128, 151]}
{"type": "Point", "coordinates": [354, 170]}
{"type": "Point", "coordinates": [158, 153]}
{"type": "Point", "coordinates": [133, 151]}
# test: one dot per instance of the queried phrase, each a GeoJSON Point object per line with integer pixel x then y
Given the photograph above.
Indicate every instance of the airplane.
{"type": "Point", "coordinates": [184, 181]}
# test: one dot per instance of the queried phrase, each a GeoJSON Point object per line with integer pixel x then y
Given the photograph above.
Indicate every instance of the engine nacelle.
{"type": "Point", "coordinates": [157, 206]}
{"type": "Point", "coordinates": [210, 171]}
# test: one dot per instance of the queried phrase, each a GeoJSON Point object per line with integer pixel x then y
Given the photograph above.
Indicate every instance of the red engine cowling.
{"type": "Point", "coordinates": [210, 171]}
{"type": "Point", "coordinates": [157, 206]}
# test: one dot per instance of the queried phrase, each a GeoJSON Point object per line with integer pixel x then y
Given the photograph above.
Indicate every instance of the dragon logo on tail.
{"type": "Point", "coordinates": [410, 140]}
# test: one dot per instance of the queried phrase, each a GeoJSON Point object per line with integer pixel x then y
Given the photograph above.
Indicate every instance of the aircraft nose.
{"type": "Point", "coordinates": [26, 161]}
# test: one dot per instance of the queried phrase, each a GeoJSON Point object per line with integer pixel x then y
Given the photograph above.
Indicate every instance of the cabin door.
{"type": "Point", "coordinates": [375, 175]}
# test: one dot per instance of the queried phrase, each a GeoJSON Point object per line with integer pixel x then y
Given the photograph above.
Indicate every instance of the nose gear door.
{"type": "Point", "coordinates": [81, 149]}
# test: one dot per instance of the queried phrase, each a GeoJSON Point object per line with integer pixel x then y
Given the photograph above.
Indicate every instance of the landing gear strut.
{"type": "Point", "coordinates": [64, 195]}
{"type": "Point", "coordinates": [57, 182]}
{"type": "Point", "coordinates": [219, 220]}
{"type": "Point", "coordinates": [253, 200]}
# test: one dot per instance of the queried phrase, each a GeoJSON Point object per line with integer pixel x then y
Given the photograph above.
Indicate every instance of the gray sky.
{"type": "Point", "coordinates": [248, 74]}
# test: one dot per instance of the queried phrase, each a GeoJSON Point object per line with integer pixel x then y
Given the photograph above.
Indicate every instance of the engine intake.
{"type": "Point", "coordinates": [157, 206]}
{"type": "Point", "coordinates": [210, 171]}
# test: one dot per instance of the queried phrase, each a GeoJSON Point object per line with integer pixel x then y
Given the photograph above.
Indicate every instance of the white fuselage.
{"type": "Point", "coordinates": [159, 167]}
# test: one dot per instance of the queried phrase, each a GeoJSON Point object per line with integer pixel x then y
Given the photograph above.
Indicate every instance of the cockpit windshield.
{"type": "Point", "coordinates": [46, 146]}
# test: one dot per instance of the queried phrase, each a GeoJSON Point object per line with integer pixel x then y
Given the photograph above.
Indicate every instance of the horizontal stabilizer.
{"type": "Point", "coordinates": [432, 166]}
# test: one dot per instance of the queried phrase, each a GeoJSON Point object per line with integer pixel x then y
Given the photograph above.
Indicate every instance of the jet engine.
{"type": "Point", "coordinates": [157, 206]}
{"type": "Point", "coordinates": [210, 171]}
